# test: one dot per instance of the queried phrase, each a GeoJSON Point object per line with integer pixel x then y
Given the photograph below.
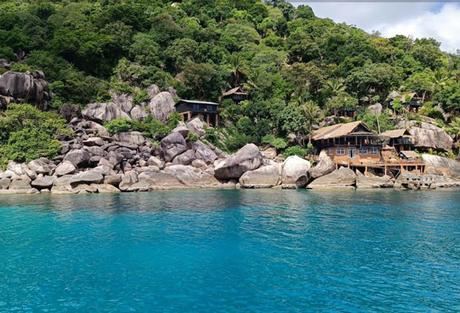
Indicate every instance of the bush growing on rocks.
{"type": "Point", "coordinates": [150, 127]}
{"type": "Point", "coordinates": [26, 133]}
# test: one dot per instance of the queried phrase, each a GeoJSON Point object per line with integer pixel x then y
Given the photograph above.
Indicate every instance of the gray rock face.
{"type": "Point", "coordinates": [371, 181]}
{"type": "Point", "coordinates": [263, 177]}
{"type": "Point", "coordinates": [182, 129]}
{"type": "Point", "coordinates": [41, 166]}
{"type": "Point", "coordinates": [94, 141]}
{"type": "Point", "coordinates": [104, 112]}
{"type": "Point", "coordinates": [4, 183]}
{"type": "Point", "coordinates": [134, 138]}
{"type": "Point", "coordinates": [20, 183]}
{"type": "Point", "coordinates": [430, 136]}
{"type": "Point", "coordinates": [375, 109]}
{"type": "Point", "coordinates": [25, 87]}
{"type": "Point", "coordinates": [196, 126]}
{"type": "Point", "coordinates": [65, 168]}
{"type": "Point", "coordinates": [324, 166]}
{"type": "Point", "coordinates": [203, 152]}
{"type": "Point", "coordinates": [162, 105]}
{"type": "Point", "coordinates": [246, 159]}
{"type": "Point", "coordinates": [441, 166]}
{"type": "Point", "coordinates": [294, 172]}
{"type": "Point", "coordinates": [173, 145]}
{"type": "Point", "coordinates": [341, 178]}
{"type": "Point", "coordinates": [123, 101]}
{"type": "Point", "coordinates": [190, 176]}
{"type": "Point", "coordinates": [127, 180]}
{"type": "Point", "coordinates": [88, 177]}
{"type": "Point", "coordinates": [153, 90]}
{"type": "Point", "coordinates": [78, 157]}
{"type": "Point", "coordinates": [138, 113]}
{"type": "Point", "coordinates": [185, 158]}
{"type": "Point", "coordinates": [43, 182]}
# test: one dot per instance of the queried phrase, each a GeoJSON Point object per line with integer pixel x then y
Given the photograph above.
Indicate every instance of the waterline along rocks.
{"type": "Point", "coordinates": [92, 161]}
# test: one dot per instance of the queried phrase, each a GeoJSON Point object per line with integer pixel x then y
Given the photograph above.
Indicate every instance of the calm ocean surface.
{"type": "Point", "coordinates": [231, 251]}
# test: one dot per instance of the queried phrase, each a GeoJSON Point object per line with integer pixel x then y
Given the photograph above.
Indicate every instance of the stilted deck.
{"type": "Point", "coordinates": [401, 166]}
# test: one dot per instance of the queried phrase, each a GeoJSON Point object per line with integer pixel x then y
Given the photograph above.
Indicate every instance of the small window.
{"type": "Point", "coordinates": [363, 150]}
{"type": "Point", "coordinates": [374, 150]}
{"type": "Point", "coordinates": [340, 151]}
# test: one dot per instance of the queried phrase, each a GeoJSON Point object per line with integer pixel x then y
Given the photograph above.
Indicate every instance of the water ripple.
{"type": "Point", "coordinates": [231, 251]}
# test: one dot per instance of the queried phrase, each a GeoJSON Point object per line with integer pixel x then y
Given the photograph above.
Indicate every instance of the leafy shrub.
{"type": "Point", "coordinates": [26, 133]}
{"type": "Point", "coordinates": [295, 150]}
{"type": "Point", "coordinates": [192, 137]}
{"type": "Point", "coordinates": [275, 142]}
{"type": "Point", "coordinates": [118, 126]}
{"type": "Point", "coordinates": [141, 96]}
{"type": "Point", "coordinates": [150, 127]}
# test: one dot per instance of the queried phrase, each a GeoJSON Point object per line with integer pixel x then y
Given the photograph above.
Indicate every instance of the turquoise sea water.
{"type": "Point", "coordinates": [231, 251]}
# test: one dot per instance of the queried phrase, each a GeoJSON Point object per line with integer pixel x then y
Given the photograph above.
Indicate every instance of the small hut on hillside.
{"type": "Point", "coordinates": [236, 94]}
{"type": "Point", "coordinates": [206, 111]}
{"type": "Point", "coordinates": [400, 139]}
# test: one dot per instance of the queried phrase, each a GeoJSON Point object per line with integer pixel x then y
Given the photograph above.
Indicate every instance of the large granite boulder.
{"type": "Point", "coordinates": [43, 182]}
{"type": "Point", "coordinates": [429, 136]}
{"type": "Point", "coordinates": [26, 87]}
{"type": "Point", "coordinates": [370, 181]}
{"type": "Point", "coordinates": [294, 172]}
{"type": "Point", "coordinates": [123, 101]}
{"type": "Point", "coordinates": [204, 152]}
{"type": "Point", "coordinates": [65, 168]}
{"type": "Point", "coordinates": [42, 166]}
{"type": "Point", "coordinates": [104, 112]}
{"type": "Point", "coordinates": [173, 145]}
{"type": "Point", "coordinates": [138, 113]}
{"type": "Point", "coordinates": [246, 159]}
{"type": "Point", "coordinates": [324, 166]}
{"type": "Point", "coordinates": [375, 109]}
{"type": "Point", "coordinates": [87, 177]}
{"type": "Point", "coordinates": [78, 157]}
{"type": "Point", "coordinates": [196, 126]}
{"type": "Point", "coordinates": [264, 177]}
{"type": "Point", "coordinates": [134, 138]}
{"type": "Point", "coordinates": [185, 158]}
{"type": "Point", "coordinates": [441, 166]}
{"type": "Point", "coordinates": [190, 176]}
{"type": "Point", "coordinates": [341, 178]}
{"type": "Point", "coordinates": [162, 105]}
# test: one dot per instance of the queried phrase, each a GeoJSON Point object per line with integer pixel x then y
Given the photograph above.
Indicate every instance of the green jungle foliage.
{"type": "Point", "coordinates": [296, 67]}
{"type": "Point", "coordinates": [26, 133]}
{"type": "Point", "coordinates": [150, 127]}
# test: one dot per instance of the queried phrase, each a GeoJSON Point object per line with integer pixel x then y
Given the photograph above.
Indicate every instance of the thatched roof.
{"type": "Point", "coordinates": [396, 133]}
{"type": "Point", "coordinates": [236, 90]}
{"type": "Point", "coordinates": [341, 130]}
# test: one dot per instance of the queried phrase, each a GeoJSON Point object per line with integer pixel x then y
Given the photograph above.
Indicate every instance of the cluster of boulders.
{"type": "Point", "coordinates": [161, 105]}
{"type": "Point", "coordinates": [24, 87]}
{"type": "Point", "coordinates": [93, 161]}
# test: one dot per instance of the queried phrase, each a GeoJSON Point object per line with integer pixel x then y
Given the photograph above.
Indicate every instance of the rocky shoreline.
{"type": "Point", "coordinates": [92, 161]}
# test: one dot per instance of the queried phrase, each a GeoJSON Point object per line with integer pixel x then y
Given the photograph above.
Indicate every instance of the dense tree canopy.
{"type": "Point", "coordinates": [279, 53]}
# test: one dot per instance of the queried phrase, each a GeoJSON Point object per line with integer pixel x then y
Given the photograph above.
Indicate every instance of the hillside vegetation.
{"type": "Point", "coordinates": [297, 68]}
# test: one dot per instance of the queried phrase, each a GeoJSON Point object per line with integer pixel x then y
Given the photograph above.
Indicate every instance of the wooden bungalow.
{"type": "Point", "coordinates": [206, 111]}
{"type": "Point", "coordinates": [409, 100]}
{"type": "Point", "coordinates": [237, 94]}
{"type": "Point", "coordinates": [356, 146]}
{"type": "Point", "coordinates": [345, 112]}
{"type": "Point", "coordinates": [400, 139]}
{"type": "Point", "coordinates": [350, 142]}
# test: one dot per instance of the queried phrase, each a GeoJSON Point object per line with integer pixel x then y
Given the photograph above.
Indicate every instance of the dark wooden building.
{"type": "Point", "coordinates": [206, 111]}
{"type": "Point", "coordinates": [400, 139]}
{"type": "Point", "coordinates": [237, 94]}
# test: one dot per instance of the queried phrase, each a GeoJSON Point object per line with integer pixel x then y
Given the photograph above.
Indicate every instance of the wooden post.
{"type": "Point", "coordinates": [207, 119]}
{"type": "Point", "coordinates": [386, 170]}
{"type": "Point", "coordinates": [217, 120]}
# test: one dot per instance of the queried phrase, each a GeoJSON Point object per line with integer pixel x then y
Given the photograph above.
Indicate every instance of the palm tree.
{"type": "Point", "coordinates": [237, 69]}
{"type": "Point", "coordinates": [312, 114]}
{"type": "Point", "coordinates": [335, 86]}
